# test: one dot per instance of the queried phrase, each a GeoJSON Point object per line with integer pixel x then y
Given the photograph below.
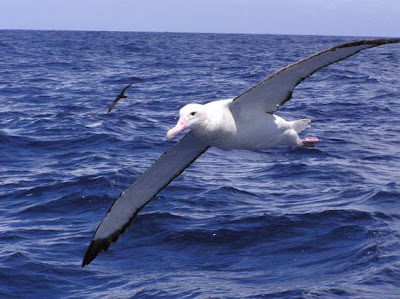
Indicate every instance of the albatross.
{"type": "Point", "coordinates": [245, 122]}
{"type": "Point", "coordinates": [119, 97]}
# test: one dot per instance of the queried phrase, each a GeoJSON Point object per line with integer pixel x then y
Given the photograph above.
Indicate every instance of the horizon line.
{"type": "Point", "coordinates": [189, 32]}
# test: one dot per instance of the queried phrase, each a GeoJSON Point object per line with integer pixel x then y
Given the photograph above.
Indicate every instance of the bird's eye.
{"type": "Point", "coordinates": [193, 113]}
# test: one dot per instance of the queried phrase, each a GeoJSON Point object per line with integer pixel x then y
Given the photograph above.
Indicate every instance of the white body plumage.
{"type": "Point", "coordinates": [223, 124]}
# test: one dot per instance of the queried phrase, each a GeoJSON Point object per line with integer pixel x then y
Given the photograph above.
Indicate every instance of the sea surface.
{"type": "Point", "coordinates": [279, 223]}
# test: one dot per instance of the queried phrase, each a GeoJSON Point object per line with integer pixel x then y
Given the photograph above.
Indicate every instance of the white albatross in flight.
{"type": "Point", "coordinates": [245, 122]}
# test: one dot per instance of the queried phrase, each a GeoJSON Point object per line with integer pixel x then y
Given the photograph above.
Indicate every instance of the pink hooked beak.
{"type": "Point", "coordinates": [180, 126]}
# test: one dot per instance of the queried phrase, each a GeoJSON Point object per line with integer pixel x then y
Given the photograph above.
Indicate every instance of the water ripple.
{"type": "Point", "coordinates": [278, 223]}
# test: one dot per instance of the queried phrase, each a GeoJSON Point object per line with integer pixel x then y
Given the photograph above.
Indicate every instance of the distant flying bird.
{"type": "Point", "coordinates": [245, 122]}
{"type": "Point", "coordinates": [120, 96]}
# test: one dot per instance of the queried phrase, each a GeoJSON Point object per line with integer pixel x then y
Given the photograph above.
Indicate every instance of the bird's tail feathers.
{"type": "Point", "coordinates": [301, 124]}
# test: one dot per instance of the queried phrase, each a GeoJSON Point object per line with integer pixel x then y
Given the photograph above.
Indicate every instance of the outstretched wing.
{"type": "Point", "coordinates": [277, 89]}
{"type": "Point", "coordinates": [120, 96]}
{"type": "Point", "coordinates": [125, 208]}
{"type": "Point", "coordinates": [114, 103]}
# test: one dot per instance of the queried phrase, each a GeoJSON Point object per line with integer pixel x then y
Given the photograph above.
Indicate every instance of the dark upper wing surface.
{"type": "Point", "coordinates": [277, 89]}
{"type": "Point", "coordinates": [125, 208]}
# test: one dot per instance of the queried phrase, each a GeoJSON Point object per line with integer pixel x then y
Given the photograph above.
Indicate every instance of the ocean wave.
{"type": "Point", "coordinates": [282, 222]}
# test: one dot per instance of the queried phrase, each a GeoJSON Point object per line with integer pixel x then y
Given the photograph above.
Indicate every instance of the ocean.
{"type": "Point", "coordinates": [278, 223]}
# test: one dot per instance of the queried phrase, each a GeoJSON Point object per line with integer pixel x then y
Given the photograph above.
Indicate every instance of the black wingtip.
{"type": "Point", "coordinates": [96, 246]}
{"type": "Point", "coordinates": [373, 42]}
{"type": "Point", "coordinates": [94, 249]}
{"type": "Point", "coordinates": [89, 255]}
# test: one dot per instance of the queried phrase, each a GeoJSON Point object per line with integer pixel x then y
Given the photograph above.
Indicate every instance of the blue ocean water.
{"type": "Point", "coordinates": [278, 223]}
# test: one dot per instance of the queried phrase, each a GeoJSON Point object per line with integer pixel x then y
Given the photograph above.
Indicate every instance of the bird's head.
{"type": "Point", "coordinates": [191, 116]}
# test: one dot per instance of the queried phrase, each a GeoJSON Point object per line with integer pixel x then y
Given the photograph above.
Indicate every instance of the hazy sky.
{"type": "Point", "coordinates": [325, 17]}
